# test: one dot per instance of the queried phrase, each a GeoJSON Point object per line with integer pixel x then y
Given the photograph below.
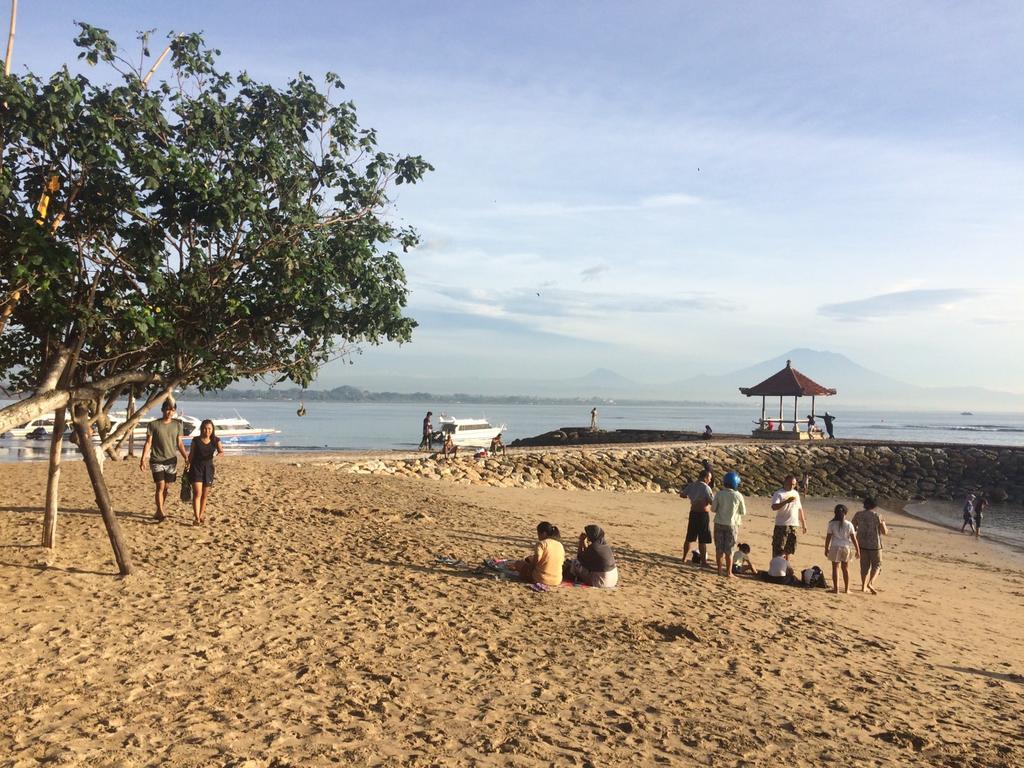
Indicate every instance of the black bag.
{"type": "Point", "coordinates": [186, 488]}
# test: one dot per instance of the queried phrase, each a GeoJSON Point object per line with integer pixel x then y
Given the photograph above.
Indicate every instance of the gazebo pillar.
{"type": "Point", "coordinates": [762, 411]}
{"type": "Point", "coordinates": [796, 426]}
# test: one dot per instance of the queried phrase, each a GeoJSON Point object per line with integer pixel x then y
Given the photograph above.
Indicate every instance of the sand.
{"type": "Point", "coordinates": [310, 624]}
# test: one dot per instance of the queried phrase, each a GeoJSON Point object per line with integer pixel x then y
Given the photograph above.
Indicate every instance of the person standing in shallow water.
{"type": "Point", "coordinates": [204, 447]}
{"type": "Point", "coordinates": [428, 432]}
{"type": "Point", "coordinates": [163, 439]}
{"type": "Point", "coordinates": [593, 419]}
{"type": "Point", "coordinates": [979, 513]}
{"type": "Point", "coordinates": [968, 513]}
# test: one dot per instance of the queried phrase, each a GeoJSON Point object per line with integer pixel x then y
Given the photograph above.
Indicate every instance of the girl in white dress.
{"type": "Point", "coordinates": [841, 547]}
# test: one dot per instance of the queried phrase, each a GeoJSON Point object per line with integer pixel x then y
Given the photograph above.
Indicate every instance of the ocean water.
{"type": "Point", "coordinates": [1002, 523]}
{"type": "Point", "coordinates": [396, 426]}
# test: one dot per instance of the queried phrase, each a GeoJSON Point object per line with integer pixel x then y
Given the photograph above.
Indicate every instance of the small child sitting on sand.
{"type": "Point", "coordinates": [450, 448]}
{"type": "Point", "coordinates": [544, 566]}
{"type": "Point", "coordinates": [741, 562]}
{"type": "Point", "coordinates": [779, 571]}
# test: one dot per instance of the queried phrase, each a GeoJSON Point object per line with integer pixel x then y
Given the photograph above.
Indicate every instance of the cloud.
{"type": "Point", "coordinates": [898, 303]}
{"type": "Point", "coordinates": [673, 200]}
{"type": "Point", "coordinates": [592, 273]}
{"type": "Point", "coordinates": [557, 209]}
{"type": "Point", "coordinates": [530, 305]}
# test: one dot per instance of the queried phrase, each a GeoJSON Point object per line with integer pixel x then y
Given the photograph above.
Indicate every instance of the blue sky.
{"type": "Point", "coordinates": [665, 189]}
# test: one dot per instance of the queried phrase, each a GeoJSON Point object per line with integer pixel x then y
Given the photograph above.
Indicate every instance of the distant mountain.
{"type": "Point", "coordinates": [856, 385]}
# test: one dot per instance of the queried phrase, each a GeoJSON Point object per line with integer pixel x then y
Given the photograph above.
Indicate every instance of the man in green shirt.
{"type": "Point", "coordinates": [163, 441]}
{"type": "Point", "coordinates": [728, 508]}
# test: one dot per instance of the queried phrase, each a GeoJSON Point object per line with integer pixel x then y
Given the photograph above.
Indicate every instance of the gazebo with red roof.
{"type": "Point", "coordinates": [788, 382]}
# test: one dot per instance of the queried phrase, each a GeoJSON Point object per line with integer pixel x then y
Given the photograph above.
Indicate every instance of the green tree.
{"type": "Point", "coordinates": [192, 230]}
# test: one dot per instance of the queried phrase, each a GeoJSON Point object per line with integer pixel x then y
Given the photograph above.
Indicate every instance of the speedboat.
{"type": "Point", "coordinates": [32, 428]}
{"type": "Point", "coordinates": [469, 432]}
{"type": "Point", "coordinates": [231, 430]}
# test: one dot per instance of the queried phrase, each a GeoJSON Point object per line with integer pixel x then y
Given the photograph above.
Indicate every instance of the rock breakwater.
{"type": "Point", "coordinates": [834, 468]}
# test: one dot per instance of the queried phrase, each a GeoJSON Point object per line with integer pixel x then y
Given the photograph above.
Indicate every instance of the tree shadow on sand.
{"type": "Point", "coordinates": [41, 567]}
{"type": "Point", "coordinates": [79, 511]}
{"type": "Point", "coordinates": [1008, 677]}
{"type": "Point", "coordinates": [463, 571]}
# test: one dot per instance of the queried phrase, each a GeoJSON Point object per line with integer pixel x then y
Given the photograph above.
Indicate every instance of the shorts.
{"type": "Point", "coordinates": [698, 528]}
{"type": "Point", "coordinates": [725, 538]}
{"type": "Point", "coordinates": [870, 560]}
{"type": "Point", "coordinates": [784, 540]}
{"type": "Point", "coordinates": [164, 470]}
{"type": "Point", "coordinates": [201, 473]}
{"type": "Point", "coordinates": [840, 554]}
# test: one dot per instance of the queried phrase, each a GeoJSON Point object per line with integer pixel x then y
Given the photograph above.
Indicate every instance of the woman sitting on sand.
{"type": "Point", "coordinates": [544, 566]}
{"type": "Point", "coordinates": [595, 561]}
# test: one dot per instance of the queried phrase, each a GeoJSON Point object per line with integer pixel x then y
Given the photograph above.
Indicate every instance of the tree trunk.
{"type": "Point", "coordinates": [99, 487]}
{"type": "Point", "coordinates": [131, 412]}
{"type": "Point", "coordinates": [53, 481]}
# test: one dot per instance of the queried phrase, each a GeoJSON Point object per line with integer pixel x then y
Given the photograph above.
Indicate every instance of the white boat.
{"type": "Point", "coordinates": [29, 428]}
{"type": "Point", "coordinates": [469, 432]}
{"type": "Point", "coordinates": [232, 430]}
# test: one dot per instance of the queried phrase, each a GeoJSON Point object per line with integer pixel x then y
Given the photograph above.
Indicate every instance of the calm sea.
{"type": "Point", "coordinates": [365, 426]}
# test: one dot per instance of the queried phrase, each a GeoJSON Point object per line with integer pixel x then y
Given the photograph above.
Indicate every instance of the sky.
{"type": "Point", "coordinates": [667, 188]}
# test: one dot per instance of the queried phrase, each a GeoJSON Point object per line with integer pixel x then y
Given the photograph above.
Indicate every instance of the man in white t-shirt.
{"type": "Point", "coordinates": [789, 513]}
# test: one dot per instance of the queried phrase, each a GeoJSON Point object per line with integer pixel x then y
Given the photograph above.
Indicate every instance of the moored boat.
{"type": "Point", "coordinates": [232, 430]}
{"type": "Point", "coordinates": [469, 432]}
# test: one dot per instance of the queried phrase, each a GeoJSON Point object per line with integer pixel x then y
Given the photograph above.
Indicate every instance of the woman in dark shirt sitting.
{"type": "Point", "coordinates": [205, 446]}
{"type": "Point", "coordinates": [595, 562]}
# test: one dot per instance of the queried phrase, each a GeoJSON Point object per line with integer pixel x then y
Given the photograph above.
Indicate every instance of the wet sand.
{"type": "Point", "coordinates": [310, 623]}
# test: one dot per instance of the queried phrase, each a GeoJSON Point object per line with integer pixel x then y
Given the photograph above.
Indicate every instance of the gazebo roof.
{"type": "Point", "coordinates": [788, 382]}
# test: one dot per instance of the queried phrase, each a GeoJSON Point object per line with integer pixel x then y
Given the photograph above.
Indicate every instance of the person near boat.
{"type": "Point", "coordinates": [428, 433]}
{"type": "Point", "coordinates": [163, 445]}
{"type": "Point", "coordinates": [200, 468]}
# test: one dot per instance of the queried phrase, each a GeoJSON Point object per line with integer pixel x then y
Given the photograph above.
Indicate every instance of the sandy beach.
{"type": "Point", "coordinates": [311, 623]}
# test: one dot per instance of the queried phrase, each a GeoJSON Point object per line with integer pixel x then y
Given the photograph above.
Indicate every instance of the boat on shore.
{"type": "Point", "coordinates": [475, 433]}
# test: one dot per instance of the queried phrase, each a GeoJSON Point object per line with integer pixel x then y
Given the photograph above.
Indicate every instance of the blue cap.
{"type": "Point", "coordinates": [731, 480]}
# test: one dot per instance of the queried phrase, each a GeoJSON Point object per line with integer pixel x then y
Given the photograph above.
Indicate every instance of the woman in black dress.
{"type": "Point", "coordinates": [205, 446]}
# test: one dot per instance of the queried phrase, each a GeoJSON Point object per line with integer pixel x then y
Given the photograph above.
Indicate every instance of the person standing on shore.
{"type": "Point", "coordinates": [968, 513]}
{"type": "Point", "coordinates": [841, 546]}
{"type": "Point", "coordinates": [428, 432]}
{"type": "Point", "coordinates": [698, 525]}
{"type": "Point", "coordinates": [979, 512]}
{"type": "Point", "coordinates": [593, 419]}
{"type": "Point", "coordinates": [870, 528]}
{"type": "Point", "coordinates": [204, 447]}
{"type": "Point", "coordinates": [789, 513]}
{"type": "Point", "coordinates": [163, 441]}
{"type": "Point", "coordinates": [729, 509]}
{"type": "Point", "coordinates": [828, 418]}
